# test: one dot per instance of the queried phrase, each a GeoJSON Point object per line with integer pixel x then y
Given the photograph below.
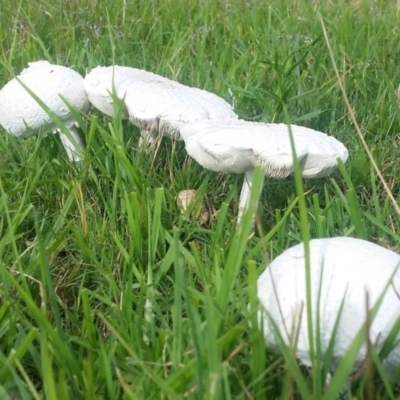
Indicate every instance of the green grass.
{"type": "Point", "coordinates": [106, 290]}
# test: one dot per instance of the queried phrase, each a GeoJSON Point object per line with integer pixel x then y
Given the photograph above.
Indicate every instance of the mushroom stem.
{"type": "Point", "coordinates": [74, 148]}
{"type": "Point", "coordinates": [147, 137]}
{"type": "Point", "coordinates": [244, 201]}
{"type": "Point", "coordinates": [149, 140]}
{"type": "Point", "coordinates": [148, 306]}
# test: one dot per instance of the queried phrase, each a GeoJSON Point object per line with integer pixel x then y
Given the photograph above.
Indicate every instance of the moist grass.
{"type": "Point", "coordinates": [106, 290]}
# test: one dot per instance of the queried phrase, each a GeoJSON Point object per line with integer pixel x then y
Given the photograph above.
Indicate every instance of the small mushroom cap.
{"type": "Point", "coordinates": [341, 268]}
{"type": "Point", "coordinates": [22, 116]}
{"type": "Point", "coordinates": [185, 198]}
{"type": "Point", "coordinates": [152, 101]}
{"type": "Point", "coordinates": [238, 146]}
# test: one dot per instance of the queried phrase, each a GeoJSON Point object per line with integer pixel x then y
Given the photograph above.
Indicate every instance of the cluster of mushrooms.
{"type": "Point", "coordinates": [218, 140]}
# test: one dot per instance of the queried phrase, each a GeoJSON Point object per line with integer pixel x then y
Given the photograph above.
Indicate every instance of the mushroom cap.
{"type": "Point", "coordinates": [185, 198]}
{"type": "Point", "coordinates": [98, 84]}
{"type": "Point", "coordinates": [238, 146]}
{"type": "Point", "coordinates": [152, 101]}
{"type": "Point", "coordinates": [341, 268]}
{"type": "Point", "coordinates": [22, 116]}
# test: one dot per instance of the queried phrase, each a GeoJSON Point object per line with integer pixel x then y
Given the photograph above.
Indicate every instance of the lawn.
{"type": "Point", "coordinates": [107, 291]}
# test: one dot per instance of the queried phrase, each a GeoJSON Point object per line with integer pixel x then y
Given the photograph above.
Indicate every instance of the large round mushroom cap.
{"type": "Point", "coordinates": [22, 115]}
{"type": "Point", "coordinates": [152, 101]}
{"type": "Point", "coordinates": [238, 146]}
{"type": "Point", "coordinates": [343, 270]}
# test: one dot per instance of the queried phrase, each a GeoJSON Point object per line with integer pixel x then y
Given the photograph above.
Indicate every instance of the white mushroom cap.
{"type": "Point", "coordinates": [22, 116]}
{"type": "Point", "coordinates": [98, 84]}
{"type": "Point", "coordinates": [185, 198]}
{"type": "Point", "coordinates": [238, 146]}
{"type": "Point", "coordinates": [152, 101]}
{"type": "Point", "coordinates": [341, 268]}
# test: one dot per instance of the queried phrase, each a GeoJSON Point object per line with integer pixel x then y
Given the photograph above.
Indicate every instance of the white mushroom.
{"type": "Point", "coordinates": [238, 146]}
{"type": "Point", "coordinates": [155, 104]}
{"type": "Point", "coordinates": [100, 85]}
{"type": "Point", "coordinates": [184, 198]}
{"type": "Point", "coordinates": [343, 270]}
{"type": "Point", "coordinates": [183, 201]}
{"type": "Point", "coordinates": [22, 115]}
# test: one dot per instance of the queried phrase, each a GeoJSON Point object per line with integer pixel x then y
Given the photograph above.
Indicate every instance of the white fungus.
{"type": "Point", "coordinates": [343, 272]}
{"type": "Point", "coordinates": [238, 146]}
{"type": "Point", "coordinates": [23, 116]}
{"type": "Point", "coordinates": [155, 104]}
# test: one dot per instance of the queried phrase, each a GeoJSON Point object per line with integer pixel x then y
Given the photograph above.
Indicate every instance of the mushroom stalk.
{"type": "Point", "coordinates": [147, 137]}
{"type": "Point", "coordinates": [244, 201]}
{"type": "Point", "coordinates": [74, 148]}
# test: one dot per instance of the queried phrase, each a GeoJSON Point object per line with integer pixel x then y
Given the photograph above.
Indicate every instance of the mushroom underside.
{"type": "Point", "coordinates": [157, 126]}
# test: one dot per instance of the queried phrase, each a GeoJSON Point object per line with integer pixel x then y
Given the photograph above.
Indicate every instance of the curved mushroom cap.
{"type": "Point", "coordinates": [98, 84]}
{"type": "Point", "coordinates": [238, 146]}
{"type": "Point", "coordinates": [349, 268]}
{"type": "Point", "coordinates": [152, 101]}
{"type": "Point", "coordinates": [22, 116]}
